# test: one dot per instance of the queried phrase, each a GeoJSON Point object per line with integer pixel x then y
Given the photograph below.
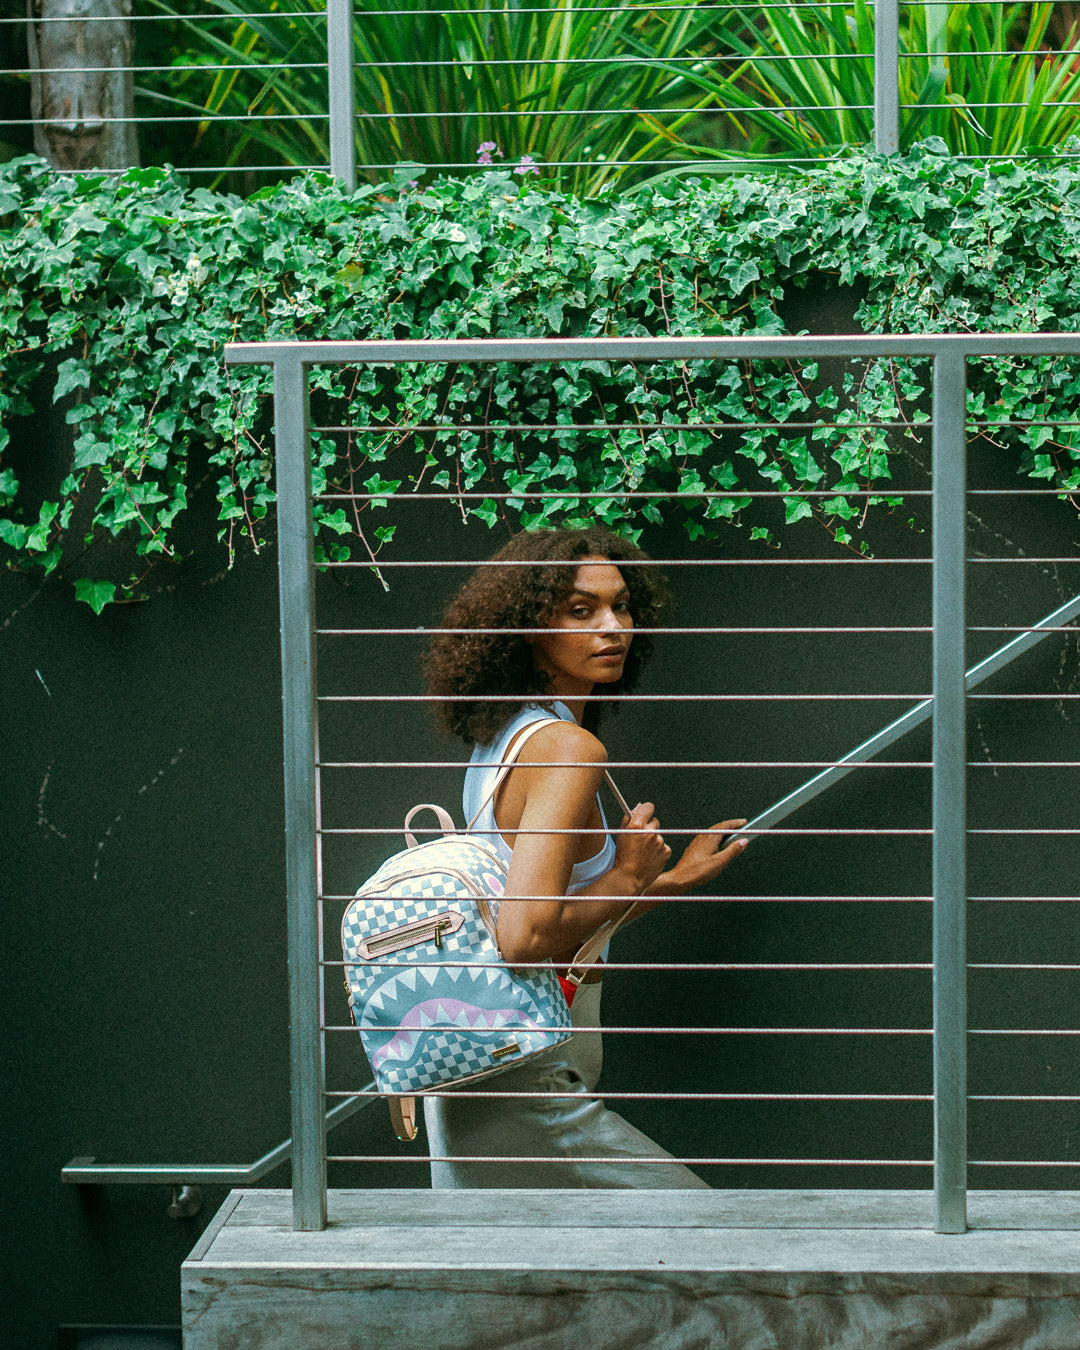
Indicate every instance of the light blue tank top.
{"type": "Point", "coordinates": [481, 774]}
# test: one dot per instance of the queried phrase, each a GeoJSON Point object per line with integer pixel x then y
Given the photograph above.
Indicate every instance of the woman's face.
{"type": "Point", "coordinates": [589, 634]}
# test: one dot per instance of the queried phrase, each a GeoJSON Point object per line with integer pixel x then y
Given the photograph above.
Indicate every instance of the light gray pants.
{"type": "Point", "coordinates": [567, 1140]}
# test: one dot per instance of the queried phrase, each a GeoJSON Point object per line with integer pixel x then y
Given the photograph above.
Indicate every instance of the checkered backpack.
{"type": "Point", "coordinates": [435, 1004]}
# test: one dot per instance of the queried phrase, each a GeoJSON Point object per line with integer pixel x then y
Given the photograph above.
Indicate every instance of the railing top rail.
{"type": "Point", "coordinates": [653, 348]}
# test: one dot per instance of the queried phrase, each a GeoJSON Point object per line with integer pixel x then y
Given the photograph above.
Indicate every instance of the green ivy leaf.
{"type": "Point", "coordinates": [71, 374]}
{"type": "Point", "coordinates": [96, 594]}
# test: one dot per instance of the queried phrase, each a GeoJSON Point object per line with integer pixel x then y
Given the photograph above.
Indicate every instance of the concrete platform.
{"type": "Point", "coordinates": [749, 1270]}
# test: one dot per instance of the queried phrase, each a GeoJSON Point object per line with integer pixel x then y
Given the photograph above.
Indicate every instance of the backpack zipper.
{"type": "Point", "coordinates": [469, 884]}
{"type": "Point", "coordinates": [412, 934]}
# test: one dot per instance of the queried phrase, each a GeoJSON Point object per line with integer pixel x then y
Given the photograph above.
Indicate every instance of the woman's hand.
{"type": "Point", "coordinates": [642, 854]}
{"type": "Point", "coordinates": [702, 861]}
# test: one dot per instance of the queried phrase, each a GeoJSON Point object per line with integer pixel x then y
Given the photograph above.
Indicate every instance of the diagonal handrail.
{"type": "Point", "coordinates": [908, 721]}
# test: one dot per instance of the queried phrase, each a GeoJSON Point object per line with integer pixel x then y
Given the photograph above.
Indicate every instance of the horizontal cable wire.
{"type": "Point", "coordinates": [1056, 698]}
{"type": "Point", "coordinates": [213, 168]}
{"type": "Point", "coordinates": [232, 17]}
{"type": "Point", "coordinates": [967, 106]}
{"type": "Point", "coordinates": [625, 61]}
{"type": "Point", "coordinates": [628, 1162]}
{"type": "Point", "coordinates": [1013, 1097]}
{"type": "Point", "coordinates": [473, 1093]}
{"type": "Point", "coordinates": [729, 165]}
{"type": "Point", "coordinates": [716, 966]}
{"type": "Point", "coordinates": [635, 494]}
{"type": "Point", "coordinates": [791, 899]}
{"type": "Point", "coordinates": [456, 428]}
{"type": "Point", "coordinates": [610, 1029]}
{"type": "Point", "coordinates": [171, 70]}
{"type": "Point", "coordinates": [505, 114]}
{"type": "Point", "coordinates": [527, 114]}
{"type": "Point", "coordinates": [170, 119]}
{"type": "Point", "coordinates": [705, 1031]}
{"type": "Point", "coordinates": [711, 966]}
{"type": "Point", "coordinates": [696, 630]}
{"type": "Point", "coordinates": [826, 899]}
{"type": "Point", "coordinates": [362, 116]}
{"type": "Point", "coordinates": [1022, 899]}
{"type": "Point", "coordinates": [725, 631]}
{"type": "Point", "coordinates": [696, 698]}
{"type": "Point", "coordinates": [671, 562]}
{"type": "Point", "coordinates": [1042, 52]}
{"type": "Point", "coordinates": [682, 764]}
{"type": "Point", "coordinates": [1023, 1162]}
{"type": "Point", "coordinates": [460, 428]}
{"type": "Point", "coordinates": [1023, 1031]}
{"type": "Point", "coordinates": [713, 764]}
{"type": "Point", "coordinates": [771, 831]}
{"type": "Point", "coordinates": [709, 562]}
{"type": "Point", "coordinates": [661, 8]}
{"type": "Point", "coordinates": [1021, 965]}
{"type": "Point", "coordinates": [169, 18]}
{"type": "Point", "coordinates": [761, 164]}
{"type": "Point", "coordinates": [945, 4]}
{"type": "Point", "coordinates": [647, 698]}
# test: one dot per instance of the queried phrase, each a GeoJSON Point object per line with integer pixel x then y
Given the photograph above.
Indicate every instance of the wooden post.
{"type": "Point", "coordinates": [81, 96]}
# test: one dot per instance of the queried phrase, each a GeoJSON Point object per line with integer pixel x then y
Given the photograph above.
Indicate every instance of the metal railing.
{"type": "Point", "coordinates": [87, 1171]}
{"type": "Point", "coordinates": [311, 91]}
{"type": "Point", "coordinates": [307, 832]}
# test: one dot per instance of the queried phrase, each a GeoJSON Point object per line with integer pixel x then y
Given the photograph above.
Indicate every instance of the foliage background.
{"type": "Point", "coordinates": [121, 294]}
{"type": "Point", "coordinates": [600, 93]}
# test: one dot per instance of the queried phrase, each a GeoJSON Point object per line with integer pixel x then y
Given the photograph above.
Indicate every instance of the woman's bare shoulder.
{"type": "Point", "coordinates": [562, 742]}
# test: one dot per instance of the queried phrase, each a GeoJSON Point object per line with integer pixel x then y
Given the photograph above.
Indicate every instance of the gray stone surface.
{"type": "Point", "coordinates": [764, 1270]}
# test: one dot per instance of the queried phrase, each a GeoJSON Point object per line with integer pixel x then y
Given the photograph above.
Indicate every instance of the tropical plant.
{"type": "Point", "coordinates": [590, 92]}
{"type": "Point", "coordinates": [799, 82]}
{"type": "Point", "coordinates": [224, 91]}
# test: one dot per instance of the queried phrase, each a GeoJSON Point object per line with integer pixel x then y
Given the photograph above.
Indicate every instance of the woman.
{"type": "Point", "coordinates": [583, 601]}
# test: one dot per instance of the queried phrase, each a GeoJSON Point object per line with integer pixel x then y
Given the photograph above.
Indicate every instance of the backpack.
{"type": "Point", "coordinates": [434, 1002]}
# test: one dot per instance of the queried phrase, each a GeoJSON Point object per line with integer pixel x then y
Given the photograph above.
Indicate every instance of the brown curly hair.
{"type": "Point", "coordinates": [462, 668]}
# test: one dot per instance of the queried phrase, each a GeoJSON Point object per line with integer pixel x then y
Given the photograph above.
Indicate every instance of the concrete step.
{"type": "Point", "coordinates": [764, 1270]}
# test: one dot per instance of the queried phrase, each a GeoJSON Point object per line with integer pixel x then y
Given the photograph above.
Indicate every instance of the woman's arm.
{"type": "Point", "coordinates": [702, 861]}
{"type": "Point", "coordinates": [537, 920]}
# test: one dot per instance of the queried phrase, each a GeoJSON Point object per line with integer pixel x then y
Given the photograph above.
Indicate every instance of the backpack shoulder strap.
{"type": "Point", "coordinates": [512, 754]}
{"type": "Point", "coordinates": [508, 763]}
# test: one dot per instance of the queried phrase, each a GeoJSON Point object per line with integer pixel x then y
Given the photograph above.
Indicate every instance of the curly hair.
{"type": "Point", "coordinates": [482, 679]}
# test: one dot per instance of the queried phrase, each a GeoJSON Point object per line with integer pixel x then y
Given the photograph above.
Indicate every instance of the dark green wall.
{"type": "Point", "coordinates": [145, 980]}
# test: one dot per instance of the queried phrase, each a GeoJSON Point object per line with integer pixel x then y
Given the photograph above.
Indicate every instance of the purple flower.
{"type": "Point", "coordinates": [484, 152]}
{"type": "Point", "coordinates": [526, 165]}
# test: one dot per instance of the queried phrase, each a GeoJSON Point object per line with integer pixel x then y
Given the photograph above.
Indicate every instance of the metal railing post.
{"type": "Point", "coordinates": [887, 77]}
{"type": "Point", "coordinates": [297, 599]}
{"type": "Point", "coordinates": [950, 796]}
{"type": "Point", "coordinates": [339, 60]}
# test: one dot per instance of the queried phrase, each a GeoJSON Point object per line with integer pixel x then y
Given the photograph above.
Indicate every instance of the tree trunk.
{"type": "Point", "coordinates": [80, 59]}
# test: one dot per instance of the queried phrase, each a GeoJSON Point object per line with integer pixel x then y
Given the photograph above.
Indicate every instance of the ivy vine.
{"type": "Point", "coordinates": [120, 294]}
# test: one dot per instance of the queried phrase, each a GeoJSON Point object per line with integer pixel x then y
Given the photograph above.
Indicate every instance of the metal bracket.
{"type": "Point", "coordinates": [186, 1202]}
